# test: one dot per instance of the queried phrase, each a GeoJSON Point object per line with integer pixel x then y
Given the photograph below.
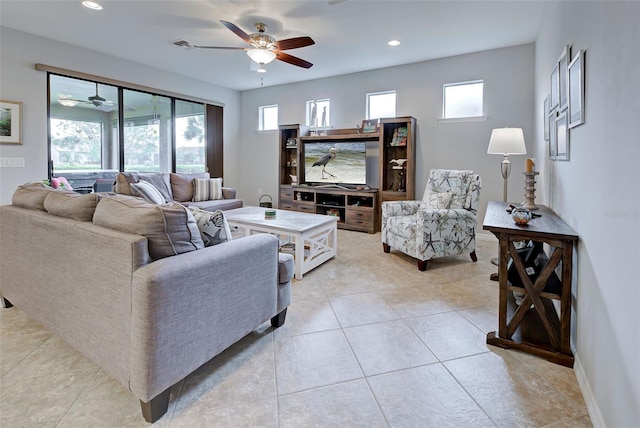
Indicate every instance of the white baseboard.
{"type": "Point", "coordinates": [587, 394]}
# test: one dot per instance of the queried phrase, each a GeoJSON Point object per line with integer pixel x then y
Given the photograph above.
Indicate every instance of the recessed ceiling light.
{"type": "Point", "coordinates": [394, 43]}
{"type": "Point", "coordinates": [91, 5]}
{"type": "Point", "coordinates": [261, 70]}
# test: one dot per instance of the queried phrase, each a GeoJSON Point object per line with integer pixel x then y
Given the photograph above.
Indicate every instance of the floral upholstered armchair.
{"type": "Point", "coordinates": [442, 224]}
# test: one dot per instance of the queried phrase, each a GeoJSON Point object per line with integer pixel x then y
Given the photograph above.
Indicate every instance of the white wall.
{"type": "Point", "coordinates": [19, 81]}
{"type": "Point", "coordinates": [598, 193]}
{"type": "Point", "coordinates": [508, 101]}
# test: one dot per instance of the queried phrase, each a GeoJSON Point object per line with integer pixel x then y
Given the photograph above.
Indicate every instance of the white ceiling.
{"type": "Point", "coordinates": [350, 36]}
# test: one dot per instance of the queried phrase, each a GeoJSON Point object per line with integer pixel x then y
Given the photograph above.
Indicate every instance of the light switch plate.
{"type": "Point", "coordinates": [11, 162]}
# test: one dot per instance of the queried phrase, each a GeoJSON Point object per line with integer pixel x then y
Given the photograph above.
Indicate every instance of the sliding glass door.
{"type": "Point", "coordinates": [97, 130]}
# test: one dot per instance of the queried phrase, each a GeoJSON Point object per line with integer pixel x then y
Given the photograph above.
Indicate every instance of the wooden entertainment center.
{"type": "Point", "coordinates": [356, 206]}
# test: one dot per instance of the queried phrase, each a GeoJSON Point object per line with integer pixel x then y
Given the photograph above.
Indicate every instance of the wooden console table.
{"type": "Point", "coordinates": [533, 326]}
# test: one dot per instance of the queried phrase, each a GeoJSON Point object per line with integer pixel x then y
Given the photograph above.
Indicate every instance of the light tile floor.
{"type": "Point", "coordinates": [368, 341]}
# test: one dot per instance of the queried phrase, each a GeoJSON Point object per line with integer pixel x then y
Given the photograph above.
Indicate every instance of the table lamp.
{"type": "Point", "coordinates": [506, 141]}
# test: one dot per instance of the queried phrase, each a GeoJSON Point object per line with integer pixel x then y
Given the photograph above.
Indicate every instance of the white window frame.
{"type": "Point", "coordinates": [374, 94]}
{"type": "Point", "coordinates": [261, 114]}
{"type": "Point", "coordinates": [477, 118]}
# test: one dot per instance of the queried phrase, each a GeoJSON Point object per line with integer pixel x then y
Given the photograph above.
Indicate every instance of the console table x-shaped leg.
{"type": "Point", "coordinates": [557, 330]}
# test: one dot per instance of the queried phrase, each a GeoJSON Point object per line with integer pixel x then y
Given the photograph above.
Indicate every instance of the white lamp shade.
{"type": "Point", "coordinates": [507, 141]}
{"type": "Point", "coordinates": [261, 56]}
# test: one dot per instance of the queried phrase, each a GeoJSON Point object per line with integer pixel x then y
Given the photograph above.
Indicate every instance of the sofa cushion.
{"type": "Point", "coordinates": [170, 229]}
{"type": "Point", "coordinates": [70, 204]}
{"type": "Point", "coordinates": [31, 196]}
{"type": "Point", "coordinates": [207, 189]}
{"type": "Point", "coordinates": [148, 192]}
{"type": "Point", "coordinates": [220, 204]}
{"type": "Point", "coordinates": [213, 226]}
{"type": "Point", "coordinates": [182, 185]}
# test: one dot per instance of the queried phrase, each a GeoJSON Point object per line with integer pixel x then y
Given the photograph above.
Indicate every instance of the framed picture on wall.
{"type": "Point", "coordinates": [553, 89]}
{"type": "Point", "coordinates": [546, 119]}
{"type": "Point", "coordinates": [576, 90]}
{"type": "Point", "coordinates": [562, 137]}
{"type": "Point", "coordinates": [370, 125]}
{"type": "Point", "coordinates": [563, 77]}
{"type": "Point", "coordinates": [553, 137]}
{"type": "Point", "coordinates": [10, 122]}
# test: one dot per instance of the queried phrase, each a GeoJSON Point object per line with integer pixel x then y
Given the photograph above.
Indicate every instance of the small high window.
{"type": "Point", "coordinates": [462, 99]}
{"type": "Point", "coordinates": [268, 118]}
{"type": "Point", "coordinates": [381, 104]}
{"type": "Point", "coordinates": [319, 113]}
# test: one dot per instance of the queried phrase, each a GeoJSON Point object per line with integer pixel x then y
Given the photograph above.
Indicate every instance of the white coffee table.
{"type": "Point", "coordinates": [314, 236]}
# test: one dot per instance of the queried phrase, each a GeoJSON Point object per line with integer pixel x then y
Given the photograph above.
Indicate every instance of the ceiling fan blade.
{"type": "Point", "coordinates": [294, 43]}
{"type": "Point", "coordinates": [237, 30]}
{"type": "Point", "coordinates": [293, 60]}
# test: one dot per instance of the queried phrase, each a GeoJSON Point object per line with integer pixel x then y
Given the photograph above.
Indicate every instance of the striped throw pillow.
{"type": "Point", "coordinates": [207, 189]}
{"type": "Point", "coordinates": [148, 192]}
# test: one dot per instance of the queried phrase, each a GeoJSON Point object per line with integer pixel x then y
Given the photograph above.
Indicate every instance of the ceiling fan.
{"type": "Point", "coordinates": [264, 48]}
{"type": "Point", "coordinates": [97, 101]}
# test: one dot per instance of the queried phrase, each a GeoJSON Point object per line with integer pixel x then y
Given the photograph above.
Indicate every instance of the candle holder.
{"type": "Point", "coordinates": [530, 190]}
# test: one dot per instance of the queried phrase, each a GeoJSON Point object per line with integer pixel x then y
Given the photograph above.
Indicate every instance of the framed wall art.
{"type": "Point", "coordinates": [370, 125]}
{"type": "Point", "coordinates": [553, 88]}
{"type": "Point", "coordinates": [10, 122]}
{"type": "Point", "coordinates": [562, 137]}
{"type": "Point", "coordinates": [553, 137]}
{"type": "Point", "coordinates": [576, 90]}
{"type": "Point", "coordinates": [563, 77]}
{"type": "Point", "coordinates": [546, 119]}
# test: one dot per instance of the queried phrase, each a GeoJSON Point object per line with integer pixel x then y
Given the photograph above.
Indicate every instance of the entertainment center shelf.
{"type": "Point", "coordinates": [335, 173]}
{"type": "Point", "coordinates": [355, 209]}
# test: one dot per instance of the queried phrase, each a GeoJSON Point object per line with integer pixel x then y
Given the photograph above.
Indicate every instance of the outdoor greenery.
{"type": "Point", "coordinates": [77, 145]}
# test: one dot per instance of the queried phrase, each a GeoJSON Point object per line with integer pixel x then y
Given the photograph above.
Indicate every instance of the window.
{"type": "Point", "coordinates": [319, 113]}
{"type": "Point", "coordinates": [76, 144]}
{"type": "Point", "coordinates": [464, 99]}
{"type": "Point", "coordinates": [147, 132]}
{"type": "Point", "coordinates": [381, 104]}
{"type": "Point", "coordinates": [160, 133]}
{"type": "Point", "coordinates": [190, 148]}
{"type": "Point", "coordinates": [268, 119]}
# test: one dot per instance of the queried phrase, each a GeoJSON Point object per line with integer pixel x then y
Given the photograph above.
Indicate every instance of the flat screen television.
{"type": "Point", "coordinates": [335, 162]}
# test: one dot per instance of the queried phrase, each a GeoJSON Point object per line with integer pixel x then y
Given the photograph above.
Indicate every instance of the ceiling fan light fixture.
{"type": "Point", "coordinates": [67, 101]}
{"type": "Point", "coordinates": [91, 5]}
{"type": "Point", "coordinates": [261, 56]}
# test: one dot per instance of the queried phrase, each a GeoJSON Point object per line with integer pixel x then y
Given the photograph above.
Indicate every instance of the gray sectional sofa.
{"type": "Point", "coordinates": [148, 321]}
{"type": "Point", "coordinates": [178, 187]}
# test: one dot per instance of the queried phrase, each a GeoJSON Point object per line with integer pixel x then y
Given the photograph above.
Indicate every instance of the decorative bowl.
{"type": "Point", "coordinates": [521, 216]}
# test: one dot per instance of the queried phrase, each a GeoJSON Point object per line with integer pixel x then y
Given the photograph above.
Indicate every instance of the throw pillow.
{"type": "Point", "coordinates": [182, 185]}
{"type": "Point", "coordinates": [148, 192]}
{"type": "Point", "coordinates": [440, 200]}
{"type": "Point", "coordinates": [158, 179]}
{"type": "Point", "coordinates": [213, 226]}
{"type": "Point", "coordinates": [170, 229]}
{"type": "Point", "coordinates": [455, 181]}
{"type": "Point", "coordinates": [207, 189]}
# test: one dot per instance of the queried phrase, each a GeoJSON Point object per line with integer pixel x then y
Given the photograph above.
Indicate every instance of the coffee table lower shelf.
{"type": "Point", "coordinates": [313, 237]}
